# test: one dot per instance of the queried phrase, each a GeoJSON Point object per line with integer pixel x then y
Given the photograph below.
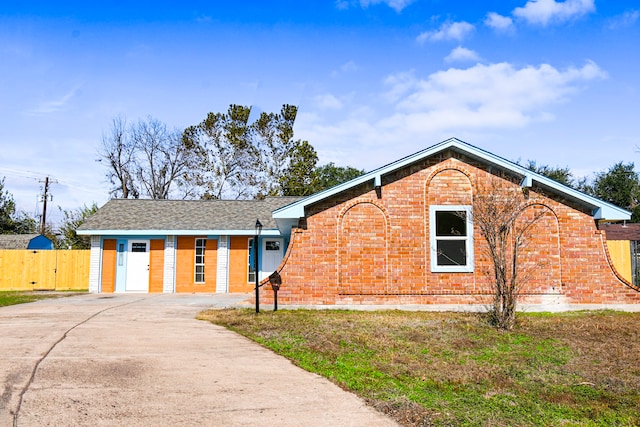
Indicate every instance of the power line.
{"type": "Point", "coordinates": [45, 198]}
{"type": "Point", "coordinates": [21, 173]}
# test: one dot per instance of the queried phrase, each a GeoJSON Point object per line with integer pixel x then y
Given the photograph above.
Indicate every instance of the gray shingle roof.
{"type": "Point", "coordinates": [16, 241]}
{"type": "Point", "coordinates": [621, 231]}
{"type": "Point", "coordinates": [155, 215]}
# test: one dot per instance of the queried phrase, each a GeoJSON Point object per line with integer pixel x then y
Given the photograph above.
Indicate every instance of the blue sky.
{"type": "Point", "coordinates": [374, 80]}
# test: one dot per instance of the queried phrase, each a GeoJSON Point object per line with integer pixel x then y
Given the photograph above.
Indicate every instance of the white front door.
{"type": "Point", "coordinates": [272, 254]}
{"type": "Point", "coordinates": [138, 266]}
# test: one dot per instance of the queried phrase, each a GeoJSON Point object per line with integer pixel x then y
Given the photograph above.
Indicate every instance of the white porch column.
{"type": "Point", "coordinates": [169, 274]}
{"type": "Point", "coordinates": [222, 273]}
{"type": "Point", "coordinates": [94, 265]}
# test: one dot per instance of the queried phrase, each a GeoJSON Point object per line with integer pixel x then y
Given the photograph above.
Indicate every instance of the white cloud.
{"type": "Point", "coordinates": [55, 105]}
{"type": "Point", "coordinates": [328, 101]}
{"type": "Point", "coordinates": [544, 12]}
{"type": "Point", "coordinates": [495, 90]}
{"type": "Point", "coordinates": [498, 22]}
{"type": "Point", "coordinates": [627, 19]}
{"type": "Point", "coordinates": [204, 19]}
{"type": "Point", "coordinates": [461, 54]}
{"type": "Point", "coordinates": [399, 84]}
{"type": "Point", "coordinates": [447, 31]}
{"type": "Point", "coordinates": [469, 102]}
{"type": "Point", "coordinates": [347, 67]}
{"type": "Point", "coordinates": [396, 5]}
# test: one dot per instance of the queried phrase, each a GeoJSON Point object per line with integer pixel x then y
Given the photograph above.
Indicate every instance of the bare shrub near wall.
{"type": "Point", "coordinates": [499, 214]}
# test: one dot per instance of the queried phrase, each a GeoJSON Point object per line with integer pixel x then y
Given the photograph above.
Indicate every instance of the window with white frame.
{"type": "Point", "coordinates": [451, 238]}
{"type": "Point", "coordinates": [201, 245]}
{"type": "Point", "coordinates": [251, 277]}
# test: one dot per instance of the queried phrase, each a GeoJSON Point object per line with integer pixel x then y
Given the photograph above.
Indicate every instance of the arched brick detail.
{"type": "Point", "coordinates": [363, 253]}
{"type": "Point", "coordinates": [448, 184]}
{"type": "Point", "coordinates": [540, 265]}
{"type": "Point", "coordinates": [446, 168]}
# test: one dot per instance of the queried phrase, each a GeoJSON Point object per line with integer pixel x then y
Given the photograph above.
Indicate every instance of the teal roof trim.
{"type": "Point", "coordinates": [599, 209]}
{"type": "Point", "coordinates": [270, 233]}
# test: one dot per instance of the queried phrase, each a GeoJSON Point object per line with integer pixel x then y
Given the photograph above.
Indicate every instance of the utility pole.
{"type": "Point", "coordinates": [45, 197]}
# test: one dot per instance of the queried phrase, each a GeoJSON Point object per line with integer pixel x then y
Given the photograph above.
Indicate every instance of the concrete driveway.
{"type": "Point", "coordinates": [143, 360]}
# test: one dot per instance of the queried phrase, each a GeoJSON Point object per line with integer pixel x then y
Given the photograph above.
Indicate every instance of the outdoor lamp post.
{"type": "Point", "coordinates": [255, 260]}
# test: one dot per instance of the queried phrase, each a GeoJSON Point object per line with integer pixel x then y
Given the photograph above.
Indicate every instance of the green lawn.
{"type": "Point", "coordinates": [443, 369]}
{"type": "Point", "coordinates": [17, 297]}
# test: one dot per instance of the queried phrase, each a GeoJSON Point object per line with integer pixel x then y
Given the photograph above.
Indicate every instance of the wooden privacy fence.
{"type": "Point", "coordinates": [58, 270]}
{"type": "Point", "coordinates": [621, 256]}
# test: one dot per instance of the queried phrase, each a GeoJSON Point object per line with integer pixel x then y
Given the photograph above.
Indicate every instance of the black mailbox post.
{"type": "Point", "coordinates": [275, 280]}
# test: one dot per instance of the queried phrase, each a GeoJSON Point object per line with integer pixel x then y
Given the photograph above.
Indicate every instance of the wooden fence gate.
{"type": "Point", "coordinates": [57, 270]}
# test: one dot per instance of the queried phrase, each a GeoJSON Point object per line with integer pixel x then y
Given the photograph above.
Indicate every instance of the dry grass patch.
{"type": "Point", "coordinates": [426, 368]}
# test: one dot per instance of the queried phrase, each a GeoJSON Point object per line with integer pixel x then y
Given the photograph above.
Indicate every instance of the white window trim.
{"type": "Point", "coordinates": [435, 268]}
{"type": "Point", "coordinates": [195, 260]}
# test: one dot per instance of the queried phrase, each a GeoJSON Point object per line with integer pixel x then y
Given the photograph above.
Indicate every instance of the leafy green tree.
{"type": "Point", "coordinates": [25, 224]}
{"type": "Point", "coordinates": [12, 222]}
{"type": "Point", "coordinates": [227, 157]}
{"type": "Point", "coordinates": [298, 178]}
{"type": "Point", "coordinates": [303, 178]}
{"type": "Point", "coordinates": [620, 185]}
{"type": "Point", "coordinates": [583, 184]}
{"type": "Point", "coordinates": [330, 175]}
{"type": "Point", "coordinates": [73, 219]}
{"type": "Point", "coordinates": [250, 160]}
{"type": "Point", "coordinates": [273, 134]}
{"type": "Point", "coordinates": [7, 210]}
{"type": "Point", "coordinates": [562, 175]}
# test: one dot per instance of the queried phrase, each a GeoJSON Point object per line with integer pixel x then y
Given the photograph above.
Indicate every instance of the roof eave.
{"type": "Point", "coordinates": [599, 209]}
{"type": "Point", "coordinates": [269, 232]}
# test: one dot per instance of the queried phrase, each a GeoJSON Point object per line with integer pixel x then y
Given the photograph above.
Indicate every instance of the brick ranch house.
{"type": "Point", "coordinates": [383, 238]}
{"type": "Point", "coordinates": [379, 239]}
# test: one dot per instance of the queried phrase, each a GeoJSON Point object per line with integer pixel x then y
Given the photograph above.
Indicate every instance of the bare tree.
{"type": "Point", "coordinates": [162, 158]}
{"type": "Point", "coordinates": [118, 151]}
{"type": "Point", "coordinates": [502, 213]}
{"type": "Point", "coordinates": [146, 159]}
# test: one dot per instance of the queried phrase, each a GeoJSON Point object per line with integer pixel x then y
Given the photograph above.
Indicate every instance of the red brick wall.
{"type": "Point", "coordinates": [361, 248]}
{"type": "Point", "coordinates": [363, 251]}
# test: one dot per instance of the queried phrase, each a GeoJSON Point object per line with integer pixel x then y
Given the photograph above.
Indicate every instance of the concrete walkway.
{"type": "Point", "coordinates": [143, 360]}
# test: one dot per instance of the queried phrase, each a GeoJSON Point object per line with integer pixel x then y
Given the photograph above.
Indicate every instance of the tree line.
{"type": "Point", "coordinates": [223, 157]}
{"type": "Point", "coordinates": [13, 221]}
{"type": "Point", "coordinates": [619, 185]}
{"type": "Point", "coordinates": [226, 156]}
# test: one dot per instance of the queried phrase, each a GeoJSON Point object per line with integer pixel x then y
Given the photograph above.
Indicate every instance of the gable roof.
{"type": "Point", "coordinates": [176, 217]}
{"type": "Point", "coordinates": [288, 215]}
